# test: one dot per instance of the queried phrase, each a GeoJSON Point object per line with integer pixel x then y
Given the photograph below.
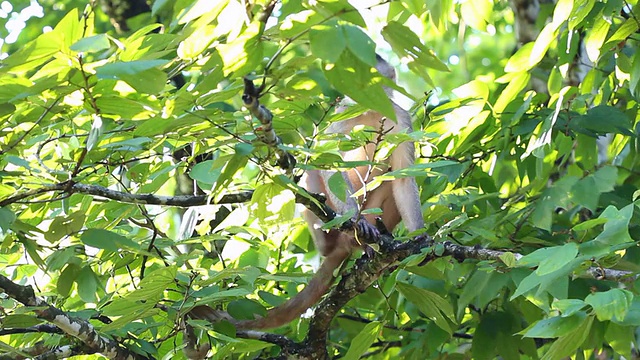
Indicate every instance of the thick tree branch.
{"type": "Point", "coordinates": [78, 328]}
{"type": "Point", "coordinates": [356, 281]}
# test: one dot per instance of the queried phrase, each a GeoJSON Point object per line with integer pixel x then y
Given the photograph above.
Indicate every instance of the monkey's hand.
{"type": "Point", "coordinates": [365, 231]}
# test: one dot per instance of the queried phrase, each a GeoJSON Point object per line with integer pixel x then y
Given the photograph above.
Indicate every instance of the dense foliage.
{"type": "Point", "coordinates": [528, 148]}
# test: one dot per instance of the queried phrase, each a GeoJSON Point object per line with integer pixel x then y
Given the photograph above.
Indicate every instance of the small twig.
{"type": "Point", "coordinates": [40, 118]}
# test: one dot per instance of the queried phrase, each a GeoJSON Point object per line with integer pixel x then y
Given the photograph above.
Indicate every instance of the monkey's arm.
{"type": "Point", "coordinates": [405, 190]}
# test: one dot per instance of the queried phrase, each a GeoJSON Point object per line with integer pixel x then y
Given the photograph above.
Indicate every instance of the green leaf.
{"type": "Point", "coordinates": [245, 309]}
{"type": "Point", "coordinates": [361, 342]}
{"type": "Point", "coordinates": [562, 11]}
{"type": "Point", "coordinates": [206, 172]}
{"type": "Point", "coordinates": [621, 339]}
{"type": "Point", "coordinates": [615, 232]}
{"type": "Point", "coordinates": [338, 186]}
{"type": "Point", "coordinates": [271, 202]}
{"type": "Point", "coordinates": [105, 239]}
{"type": "Point", "coordinates": [568, 344]}
{"type": "Point", "coordinates": [360, 44]}
{"type": "Point", "coordinates": [534, 259]}
{"type": "Point", "coordinates": [92, 44]}
{"type": "Point", "coordinates": [628, 28]}
{"type": "Point", "coordinates": [517, 84]}
{"type": "Point", "coordinates": [485, 286]}
{"type": "Point", "coordinates": [543, 41]}
{"type": "Point", "coordinates": [340, 8]}
{"type": "Point", "coordinates": [568, 307]}
{"type": "Point", "coordinates": [7, 217]}
{"type": "Point", "coordinates": [63, 226]}
{"type": "Point", "coordinates": [354, 78]}
{"type": "Point", "coordinates": [235, 164]}
{"type": "Point", "coordinates": [197, 9]}
{"type": "Point", "coordinates": [270, 298]}
{"type": "Point", "coordinates": [142, 75]}
{"type": "Point", "coordinates": [223, 295]}
{"type": "Point", "coordinates": [595, 37]}
{"type": "Point", "coordinates": [135, 312]}
{"type": "Point", "coordinates": [617, 121]}
{"type": "Point", "coordinates": [431, 304]}
{"type": "Point", "coordinates": [476, 13]}
{"type": "Point", "coordinates": [555, 282]}
{"type": "Point", "coordinates": [610, 305]}
{"type": "Point", "coordinates": [71, 29]}
{"type": "Point", "coordinates": [589, 224]}
{"type": "Point", "coordinates": [67, 278]}
{"type": "Point", "coordinates": [581, 9]}
{"type": "Point", "coordinates": [601, 181]}
{"type": "Point", "coordinates": [555, 196]}
{"type": "Point", "coordinates": [141, 302]}
{"type": "Point", "coordinates": [87, 284]}
{"type": "Point", "coordinates": [408, 45]}
{"type": "Point", "coordinates": [243, 54]}
{"type": "Point", "coordinates": [196, 43]}
{"type": "Point", "coordinates": [555, 326]}
{"type": "Point", "coordinates": [327, 41]}
{"type": "Point", "coordinates": [508, 258]}
{"type": "Point", "coordinates": [35, 53]}
{"type": "Point", "coordinates": [488, 340]}
{"type": "Point", "coordinates": [451, 226]}
{"type": "Point", "coordinates": [555, 81]}
{"type": "Point", "coordinates": [118, 69]}
{"type": "Point", "coordinates": [19, 321]}
{"type": "Point", "coordinates": [6, 108]}
{"type": "Point", "coordinates": [559, 256]}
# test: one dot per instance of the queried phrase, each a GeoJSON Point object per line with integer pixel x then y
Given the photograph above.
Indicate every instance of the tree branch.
{"type": "Point", "coordinates": [280, 340]}
{"type": "Point", "coordinates": [323, 212]}
{"type": "Point", "coordinates": [41, 328]}
{"type": "Point", "coordinates": [354, 282]}
{"type": "Point", "coordinates": [143, 199]}
{"type": "Point", "coordinates": [78, 328]}
{"type": "Point", "coordinates": [250, 98]}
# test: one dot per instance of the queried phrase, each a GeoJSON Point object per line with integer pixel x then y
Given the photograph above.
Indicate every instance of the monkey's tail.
{"type": "Point", "coordinates": [290, 310]}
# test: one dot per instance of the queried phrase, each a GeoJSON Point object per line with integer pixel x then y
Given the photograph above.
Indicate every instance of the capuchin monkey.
{"type": "Point", "coordinates": [398, 199]}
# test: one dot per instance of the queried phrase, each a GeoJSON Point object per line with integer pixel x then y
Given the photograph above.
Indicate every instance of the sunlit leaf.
{"type": "Point", "coordinates": [555, 326]}
{"type": "Point", "coordinates": [431, 304]}
{"type": "Point", "coordinates": [363, 340]}
{"type": "Point", "coordinates": [596, 36]}
{"type": "Point", "coordinates": [567, 345]}
{"type": "Point", "coordinates": [610, 305]}
{"type": "Point", "coordinates": [92, 44]}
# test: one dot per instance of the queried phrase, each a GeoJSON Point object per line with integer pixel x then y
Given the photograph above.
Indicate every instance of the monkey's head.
{"type": "Point", "coordinates": [385, 69]}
